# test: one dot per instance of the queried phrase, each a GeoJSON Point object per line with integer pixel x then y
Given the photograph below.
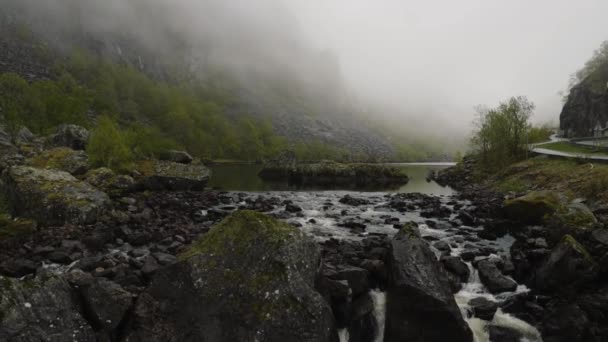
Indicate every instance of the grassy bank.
{"type": "Point", "coordinates": [575, 179]}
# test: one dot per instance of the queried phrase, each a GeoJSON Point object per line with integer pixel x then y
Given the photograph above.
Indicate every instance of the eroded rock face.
{"type": "Point", "coordinates": [250, 278]}
{"type": "Point", "coordinates": [164, 175]}
{"type": "Point", "coordinates": [420, 304]}
{"type": "Point", "coordinates": [41, 310]}
{"type": "Point", "coordinates": [52, 196]}
{"type": "Point", "coordinates": [72, 136]}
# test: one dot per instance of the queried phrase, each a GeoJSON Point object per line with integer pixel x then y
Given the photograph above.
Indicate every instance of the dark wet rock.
{"type": "Point", "coordinates": [41, 310]}
{"type": "Point", "coordinates": [601, 236]}
{"type": "Point", "coordinates": [358, 279]}
{"type": "Point", "coordinates": [106, 305]}
{"type": "Point", "coordinates": [17, 267]}
{"type": "Point", "coordinates": [292, 208]}
{"type": "Point", "coordinates": [52, 196]}
{"type": "Point", "coordinates": [466, 218]}
{"type": "Point", "coordinates": [250, 277]}
{"type": "Point", "coordinates": [349, 200]}
{"type": "Point", "coordinates": [353, 225]}
{"type": "Point", "coordinates": [504, 334]}
{"type": "Point", "coordinates": [568, 265]}
{"type": "Point", "coordinates": [469, 254]}
{"type": "Point", "coordinates": [454, 265]}
{"type": "Point", "coordinates": [181, 157]}
{"type": "Point", "coordinates": [565, 323]}
{"type": "Point", "coordinates": [483, 308]}
{"type": "Point", "coordinates": [377, 270]}
{"type": "Point", "coordinates": [363, 326]}
{"type": "Point", "coordinates": [493, 279]}
{"type": "Point", "coordinates": [160, 175]}
{"type": "Point", "coordinates": [442, 246]}
{"type": "Point", "coordinates": [72, 136]}
{"type": "Point", "coordinates": [419, 297]}
{"type": "Point", "coordinates": [62, 158]}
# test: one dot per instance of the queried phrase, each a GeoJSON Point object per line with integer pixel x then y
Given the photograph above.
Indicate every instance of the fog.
{"type": "Point", "coordinates": [423, 63]}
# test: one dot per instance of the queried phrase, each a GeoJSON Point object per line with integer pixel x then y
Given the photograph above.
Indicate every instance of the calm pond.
{"type": "Point", "coordinates": [244, 177]}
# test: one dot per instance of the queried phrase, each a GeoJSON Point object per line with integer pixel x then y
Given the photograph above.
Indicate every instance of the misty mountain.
{"type": "Point", "coordinates": [587, 102]}
{"type": "Point", "coordinates": [262, 61]}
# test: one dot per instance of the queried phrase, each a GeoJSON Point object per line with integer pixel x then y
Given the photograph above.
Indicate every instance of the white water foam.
{"type": "Point", "coordinates": [379, 299]}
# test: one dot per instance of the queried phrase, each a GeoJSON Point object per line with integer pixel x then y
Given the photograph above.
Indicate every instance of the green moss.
{"type": "Point", "coordinates": [52, 159]}
{"type": "Point", "coordinates": [15, 227]}
{"type": "Point", "coordinates": [239, 230]}
{"type": "Point", "coordinates": [571, 241]}
{"type": "Point", "coordinates": [410, 229]}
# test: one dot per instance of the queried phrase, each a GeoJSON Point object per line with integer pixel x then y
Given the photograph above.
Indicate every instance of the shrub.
{"type": "Point", "coordinates": [108, 146]}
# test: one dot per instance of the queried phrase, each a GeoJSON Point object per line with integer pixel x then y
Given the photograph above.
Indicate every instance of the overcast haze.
{"type": "Point", "coordinates": [422, 62]}
{"type": "Point", "coordinates": [444, 57]}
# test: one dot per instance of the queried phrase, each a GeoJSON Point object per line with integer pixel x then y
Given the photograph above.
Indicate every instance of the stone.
{"type": "Point", "coordinates": [569, 264]}
{"type": "Point", "coordinates": [292, 208]}
{"type": "Point", "coordinates": [504, 334]}
{"type": "Point", "coordinates": [533, 207]}
{"type": "Point", "coordinates": [52, 197]}
{"type": "Point", "coordinates": [41, 310]}
{"type": "Point", "coordinates": [250, 277]}
{"type": "Point", "coordinates": [419, 297]}
{"type": "Point", "coordinates": [362, 326]}
{"type": "Point", "coordinates": [72, 136]}
{"type": "Point", "coordinates": [107, 304]}
{"type": "Point", "coordinates": [493, 279]}
{"type": "Point", "coordinates": [181, 157]}
{"type": "Point", "coordinates": [17, 267]}
{"type": "Point", "coordinates": [349, 200]}
{"type": "Point", "coordinates": [454, 265]}
{"type": "Point", "coordinates": [358, 279]}
{"type": "Point", "coordinates": [483, 308]}
{"type": "Point", "coordinates": [109, 182]}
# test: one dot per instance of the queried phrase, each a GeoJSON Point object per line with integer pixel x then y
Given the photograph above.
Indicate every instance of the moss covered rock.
{"type": "Point", "coordinates": [533, 207]}
{"type": "Point", "coordinates": [14, 227]}
{"type": "Point", "coordinates": [569, 264]}
{"type": "Point", "coordinates": [51, 197]}
{"type": "Point", "coordinates": [251, 278]}
{"type": "Point", "coordinates": [109, 182]}
{"type": "Point", "coordinates": [165, 175]}
{"type": "Point", "coordinates": [62, 158]}
{"type": "Point", "coordinates": [41, 310]}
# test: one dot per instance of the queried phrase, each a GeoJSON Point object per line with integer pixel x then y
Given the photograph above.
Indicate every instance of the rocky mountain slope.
{"type": "Point", "coordinates": [315, 108]}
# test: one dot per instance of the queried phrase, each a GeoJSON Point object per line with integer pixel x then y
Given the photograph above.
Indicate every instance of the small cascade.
{"type": "Point", "coordinates": [379, 299]}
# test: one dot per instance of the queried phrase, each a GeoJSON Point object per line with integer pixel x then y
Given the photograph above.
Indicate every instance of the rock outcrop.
{"type": "Point", "coordinates": [72, 136]}
{"type": "Point", "coordinates": [41, 310]}
{"type": "Point", "coordinates": [533, 207]}
{"type": "Point", "coordinates": [52, 196]}
{"type": "Point", "coordinates": [420, 304]}
{"type": "Point", "coordinates": [333, 173]}
{"type": "Point", "coordinates": [250, 278]}
{"type": "Point", "coordinates": [164, 175]}
{"type": "Point", "coordinates": [64, 159]}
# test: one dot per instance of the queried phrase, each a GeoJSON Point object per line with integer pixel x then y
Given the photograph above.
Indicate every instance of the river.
{"type": "Point", "coordinates": [322, 221]}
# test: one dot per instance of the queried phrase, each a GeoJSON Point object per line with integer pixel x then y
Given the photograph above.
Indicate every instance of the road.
{"type": "Point", "coordinates": [537, 148]}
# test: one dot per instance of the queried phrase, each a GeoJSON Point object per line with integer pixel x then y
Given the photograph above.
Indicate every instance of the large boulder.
{"type": "Point", "coordinates": [41, 310]}
{"type": "Point", "coordinates": [251, 278]}
{"type": "Point", "coordinates": [52, 197]}
{"type": "Point", "coordinates": [62, 158]}
{"type": "Point", "coordinates": [420, 304]}
{"type": "Point", "coordinates": [569, 264]}
{"type": "Point", "coordinates": [72, 136]}
{"type": "Point", "coordinates": [533, 207]}
{"type": "Point", "coordinates": [109, 182]}
{"type": "Point", "coordinates": [160, 175]}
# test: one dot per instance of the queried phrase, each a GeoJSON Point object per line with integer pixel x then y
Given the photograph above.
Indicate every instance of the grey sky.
{"type": "Point", "coordinates": [441, 58]}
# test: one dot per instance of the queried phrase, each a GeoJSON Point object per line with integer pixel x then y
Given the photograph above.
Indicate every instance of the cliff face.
{"type": "Point", "coordinates": [586, 105]}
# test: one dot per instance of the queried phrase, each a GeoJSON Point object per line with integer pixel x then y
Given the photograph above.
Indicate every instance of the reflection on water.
{"type": "Point", "coordinates": [244, 177]}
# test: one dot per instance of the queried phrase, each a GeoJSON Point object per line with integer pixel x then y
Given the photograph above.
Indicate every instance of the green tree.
{"type": "Point", "coordinates": [108, 146]}
{"type": "Point", "coordinates": [502, 132]}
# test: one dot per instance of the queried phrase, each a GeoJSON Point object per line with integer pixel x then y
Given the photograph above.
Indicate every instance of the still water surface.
{"type": "Point", "coordinates": [244, 177]}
